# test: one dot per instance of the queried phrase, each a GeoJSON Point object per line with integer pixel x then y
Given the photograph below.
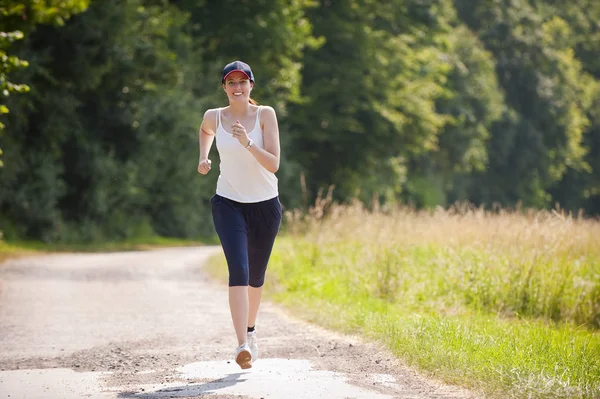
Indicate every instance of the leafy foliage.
{"type": "Point", "coordinates": [426, 102]}
{"type": "Point", "coordinates": [18, 18]}
{"type": "Point", "coordinates": [547, 94]}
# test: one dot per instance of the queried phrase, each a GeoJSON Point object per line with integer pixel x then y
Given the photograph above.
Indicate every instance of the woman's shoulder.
{"type": "Point", "coordinates": [211, 112]}
{"type": "Point", "coordinates": [268, 117]}
{"type": "Point", "coordinates": [209, 120]}
{"type": "Point", "coordinates": [266, 109]}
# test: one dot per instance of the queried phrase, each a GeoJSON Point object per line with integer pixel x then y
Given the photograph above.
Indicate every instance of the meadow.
{"type": "Point", "coordinates": [503, 302]}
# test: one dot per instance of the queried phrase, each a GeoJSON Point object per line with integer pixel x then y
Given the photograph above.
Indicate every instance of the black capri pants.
{"type": "Point", "coordinates": [247, 233]}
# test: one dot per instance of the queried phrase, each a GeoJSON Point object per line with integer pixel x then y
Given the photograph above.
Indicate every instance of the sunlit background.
{"type": "Point", "coordinates": [416, 102]}
{"type": "Point", "coordinates": [440, 170]}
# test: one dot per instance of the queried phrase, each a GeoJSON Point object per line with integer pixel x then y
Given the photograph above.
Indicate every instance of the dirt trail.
{"type": "Point", "coordinates": [152, 325]}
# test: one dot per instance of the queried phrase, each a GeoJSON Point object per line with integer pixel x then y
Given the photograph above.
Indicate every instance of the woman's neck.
{"type": "Point", "coordinates": [239, 110]}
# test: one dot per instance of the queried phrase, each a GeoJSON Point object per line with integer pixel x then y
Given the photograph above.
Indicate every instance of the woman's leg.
{"type": "Point", "coordinates": [262, 231]}
{"type": "Point", "coordinates": [238, 305]}
{"type": "Point", "coordinates": [230, 225]}
{"type": "Point", "coordinates": [254, 295]}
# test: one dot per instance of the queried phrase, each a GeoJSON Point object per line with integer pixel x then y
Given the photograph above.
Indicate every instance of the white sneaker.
{"type": "Point", "coordinates": [253, 344]}
{"type": "Point", "coordinates": [243, 356]}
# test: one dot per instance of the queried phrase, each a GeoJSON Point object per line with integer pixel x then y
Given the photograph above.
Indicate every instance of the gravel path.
{"type": "Point", "coordinates": [152, 325]}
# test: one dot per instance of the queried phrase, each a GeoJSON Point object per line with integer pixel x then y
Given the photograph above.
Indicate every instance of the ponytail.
{"type": "Point", "coordinates": [253, 101]}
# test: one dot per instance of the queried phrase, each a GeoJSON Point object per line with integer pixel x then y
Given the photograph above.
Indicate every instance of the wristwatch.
{"type": "Point", "coordinates": [250, 144]}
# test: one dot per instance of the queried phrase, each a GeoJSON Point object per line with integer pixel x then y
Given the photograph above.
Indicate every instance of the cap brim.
{"type": "Point", "coordinates": [236, 70]}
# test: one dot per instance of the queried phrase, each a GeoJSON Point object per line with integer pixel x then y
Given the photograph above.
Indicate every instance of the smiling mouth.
{"type": "Point", "coordinates": [237, 94]}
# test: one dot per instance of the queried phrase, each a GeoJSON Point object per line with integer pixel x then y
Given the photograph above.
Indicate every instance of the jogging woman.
{"type": "Point", "coordinates": [246, 209]}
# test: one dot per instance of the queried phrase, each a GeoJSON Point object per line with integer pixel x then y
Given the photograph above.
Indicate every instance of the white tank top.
{"type": "Point", "coordinates": [242, 178]}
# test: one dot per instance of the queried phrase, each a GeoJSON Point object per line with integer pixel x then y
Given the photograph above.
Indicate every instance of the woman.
{"type": "Point", "coordinates": [246, 208]}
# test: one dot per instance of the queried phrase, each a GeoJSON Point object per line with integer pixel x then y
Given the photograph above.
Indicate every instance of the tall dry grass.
{"type": "Point", "coordinates": [525, 263]}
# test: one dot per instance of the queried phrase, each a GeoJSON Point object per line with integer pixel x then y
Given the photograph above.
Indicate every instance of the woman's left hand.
{"type": "Point", "coordinates": [239, 132]}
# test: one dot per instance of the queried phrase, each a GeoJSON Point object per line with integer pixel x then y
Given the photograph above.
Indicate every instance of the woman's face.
{"type": "Point", "coordinates": [238, 86]}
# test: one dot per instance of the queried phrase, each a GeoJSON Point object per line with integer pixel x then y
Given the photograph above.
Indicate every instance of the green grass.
{"type": "Point", "coordinates": [507, 304]}
{"type": "Point", "coordinates": [14, 249]}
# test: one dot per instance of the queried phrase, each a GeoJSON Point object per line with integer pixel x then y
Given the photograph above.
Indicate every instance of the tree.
{"type": "Point", "coordinates": [106, 145]}
{"type": "Point", "coordinates": [86, 148]}
{"type": "Point", "coordinates": [548, 95]}
{"type": "Point", "coordinates": [474, 101]}
{"type": "Point", "coordinates": [370, 96]}
{"type": "Point", "coordinates": [19, 18]}
{"type": "Point", "coordinates": [580, 188]}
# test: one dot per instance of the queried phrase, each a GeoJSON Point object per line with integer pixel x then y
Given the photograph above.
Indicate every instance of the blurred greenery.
{"type": "Point", "coordinates": [425, 102]}
{"type": "Point", "coordinates": [18, 18]}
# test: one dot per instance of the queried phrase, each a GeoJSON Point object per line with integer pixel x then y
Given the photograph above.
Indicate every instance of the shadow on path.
{"type": "Point", "coordinates": [192, 390]}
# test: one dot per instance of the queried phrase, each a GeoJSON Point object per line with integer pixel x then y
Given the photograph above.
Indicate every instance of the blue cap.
{"type": "Point", "coordinates": [237, 66]}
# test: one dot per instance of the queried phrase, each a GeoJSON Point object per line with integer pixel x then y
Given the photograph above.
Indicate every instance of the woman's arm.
{"type": "Point", "coordinates": [205, 140]}
{"type": "Point", "coordinates": [269, 156]}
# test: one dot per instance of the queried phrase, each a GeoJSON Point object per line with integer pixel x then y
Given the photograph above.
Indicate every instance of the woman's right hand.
{"type": "Point", "coordinates": [204, 166]}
